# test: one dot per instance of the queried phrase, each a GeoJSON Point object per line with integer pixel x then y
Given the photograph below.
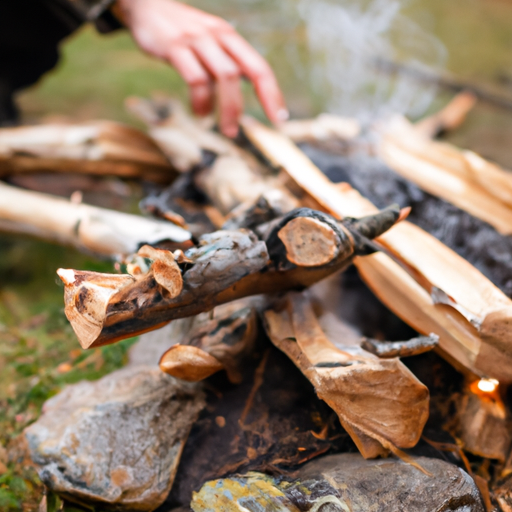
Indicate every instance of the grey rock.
{"type": "Point", "coordinates": [347, 483]}
{"type": "Point", "coordinates": [391, 485]}
{"type": "Point", "coordinates": [116, 441]}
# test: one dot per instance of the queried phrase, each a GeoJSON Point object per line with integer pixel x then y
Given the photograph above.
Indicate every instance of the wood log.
{"type": "Point", "coordinates": [462, 178]}
{"type": "Point", "coordinates": [483, 422]}
{"type": "Point", "coordinates": [226, 265]}
{"type": "Point", "coordinates": [379, 402]}
{"type": "Point", "coordinates": [98, 148]}
{"type": "Point", "coordinates": [96, 230]}
{"type": "Point", "coordinates": [219, 344]}
{"type": "Point", "coordinates": [420, 265]}
{"type": "Point", "coordinates": [448, 118]}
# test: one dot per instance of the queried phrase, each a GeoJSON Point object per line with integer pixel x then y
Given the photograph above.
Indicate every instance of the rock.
{"type": "Point", "coordinates": [271, 422]}
{"type": "Point", "coordinates": [347, 483]}
{"type": "Point", "coordinates": [117, 441]}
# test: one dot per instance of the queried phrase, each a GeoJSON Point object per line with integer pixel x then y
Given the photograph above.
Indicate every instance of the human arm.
{"type": "Point", "coordinates": [205, 50]}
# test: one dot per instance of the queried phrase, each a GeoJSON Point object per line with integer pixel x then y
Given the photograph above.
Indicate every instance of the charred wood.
{"type": "Point", "coordinates": [226, 265]}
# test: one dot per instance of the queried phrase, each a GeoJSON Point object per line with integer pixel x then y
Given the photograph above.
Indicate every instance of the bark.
{"type": "Point", "coordinates": [93, 229]}
{"type": "Point", "coordinates": [226, 265]}
{"type": "Point", "coordinates": [223, 343]}
{"type": "Point", "coordinates": [419, 266]}
{"type": "Point", "coordinates": [412, 347]}
{"type": "Point", "coordinates": [100, 148]}
{"type": "Point", "coordinates": [379, 402]}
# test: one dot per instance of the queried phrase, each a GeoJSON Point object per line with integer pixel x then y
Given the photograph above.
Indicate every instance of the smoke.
{"type": "Point", "coordinates": [348, 38]}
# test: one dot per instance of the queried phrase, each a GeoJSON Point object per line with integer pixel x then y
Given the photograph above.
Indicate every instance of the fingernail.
{"type": "Point", "coordinates": [283, 115]}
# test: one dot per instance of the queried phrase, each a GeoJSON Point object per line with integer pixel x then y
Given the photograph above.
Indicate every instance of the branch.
{"type": "Point", "coordinates": [226, 265]}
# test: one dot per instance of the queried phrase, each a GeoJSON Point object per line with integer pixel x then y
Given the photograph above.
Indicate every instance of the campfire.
{"type": "Point", "coordinates": [281, 384]}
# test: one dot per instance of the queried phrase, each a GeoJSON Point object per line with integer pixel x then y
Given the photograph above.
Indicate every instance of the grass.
{"type": "Point", "coordinates": [39, 353]}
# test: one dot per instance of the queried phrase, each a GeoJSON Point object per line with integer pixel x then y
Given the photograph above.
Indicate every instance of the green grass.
{"type": "Point", "coordinates": [39, 353]}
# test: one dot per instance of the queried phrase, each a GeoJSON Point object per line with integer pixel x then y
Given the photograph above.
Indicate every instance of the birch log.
{"type": "Point", "coordinates": [100, 148]}
{"type": "Point", "coordinates": [425, 283]}
{"type": "Point", "coordinates": [97, 230]}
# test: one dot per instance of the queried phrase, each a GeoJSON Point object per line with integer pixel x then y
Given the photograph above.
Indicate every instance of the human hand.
{"type": "Point", "coordinates": [208, 53]}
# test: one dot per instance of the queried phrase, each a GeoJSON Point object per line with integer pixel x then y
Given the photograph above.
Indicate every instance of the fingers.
{"type": "Point", "coordinates": [256, 68]}
{"type": "Point", "coordinates": [227, 76]}
{"type": "Point", "coordinates": [221, 61]}
{"type": "Point", "coordinates": [197, 78]}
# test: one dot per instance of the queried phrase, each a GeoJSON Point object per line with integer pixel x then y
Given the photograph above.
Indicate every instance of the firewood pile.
{"type": "Point", "coordinates": [256, 264]}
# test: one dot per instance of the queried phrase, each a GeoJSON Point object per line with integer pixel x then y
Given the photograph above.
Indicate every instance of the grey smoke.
{"type": "Point", "coordinates": [347, 37]}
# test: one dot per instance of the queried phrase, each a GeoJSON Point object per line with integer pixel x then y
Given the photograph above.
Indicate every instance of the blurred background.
{"type": "Point", "coordinates": [329, 55]}
{"type": "Point", "coordinates": [364, 58]}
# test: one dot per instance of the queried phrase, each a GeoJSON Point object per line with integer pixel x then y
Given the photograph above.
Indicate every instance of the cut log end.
{"type": "Point", "coordinates": [67, 275]}
{"type": "Point", "coordinates": [189, 363]}
{"type": "Point", "coordinates": [309, 242]}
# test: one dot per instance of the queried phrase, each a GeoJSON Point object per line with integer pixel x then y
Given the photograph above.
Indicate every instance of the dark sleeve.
{"type": "Point", "coordinates": [94, 11]}
{"type": "Point", "coordinates": [90, 10]}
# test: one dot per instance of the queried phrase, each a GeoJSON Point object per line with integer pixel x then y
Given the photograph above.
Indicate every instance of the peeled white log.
{"type": "Point", "coordinates": [98, 148]}
{"type": "Point", "coordinates": [98, 230]}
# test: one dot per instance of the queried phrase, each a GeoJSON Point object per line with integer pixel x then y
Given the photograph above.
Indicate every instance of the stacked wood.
{"type": "Point", "coordinates": [285, 226]}
{"type": "Point", "coordinates": [421, 280]}
{"type": "Point", "coordinates": [98, 148]}
{"type": "Point", "coordinates": [462, 178]}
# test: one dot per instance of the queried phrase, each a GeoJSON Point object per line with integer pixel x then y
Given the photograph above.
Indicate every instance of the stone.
{"type": "Point", "coordinates": [115, 442]}
{"type": "Point", "coordinates": [347, 483]}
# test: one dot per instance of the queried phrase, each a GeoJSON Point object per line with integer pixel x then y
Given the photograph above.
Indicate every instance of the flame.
{"type": "Point", "coordinates": [487, 385]}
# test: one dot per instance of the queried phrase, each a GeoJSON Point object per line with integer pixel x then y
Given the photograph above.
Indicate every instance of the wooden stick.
{"type": "Point", "coordinates": [448, 118]}
{"type": "Point", "coordinates": [99, 148]}
{"type": "Point", "coordinates": [460, 177]}
{"type": "Point", "coordinates": [476, 307]}
{"type": "Point", "coordinates": [380, 403]}
{"type": "Point", "coordinates": [226, 265]}
{"type": "Point", "coordinates": [412, 347]}
{"type": "Point", "coordinates": [97, 230]}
